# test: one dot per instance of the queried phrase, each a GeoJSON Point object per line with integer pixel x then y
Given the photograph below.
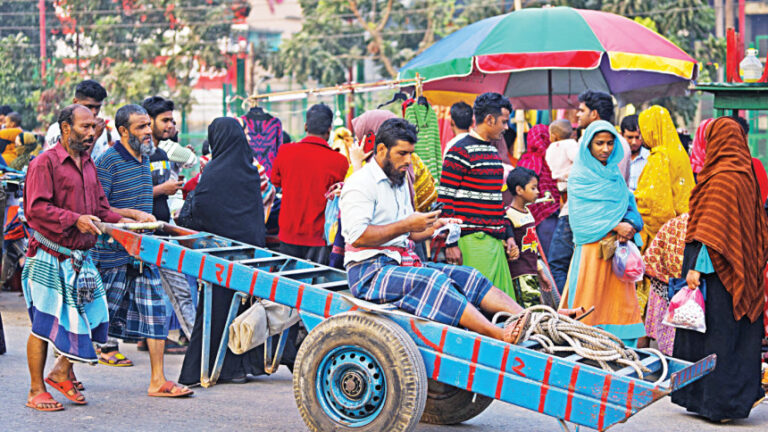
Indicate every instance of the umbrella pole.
{"type": "Point", "coordinates": [549, 91]}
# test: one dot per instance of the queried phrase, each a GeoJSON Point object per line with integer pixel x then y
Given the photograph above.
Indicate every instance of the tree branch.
{"type": "Point", "coordinates": [385, 17]}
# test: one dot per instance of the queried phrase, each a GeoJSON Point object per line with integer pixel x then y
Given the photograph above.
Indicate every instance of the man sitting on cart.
{"type": "Point", "coordinates": [380, 227]}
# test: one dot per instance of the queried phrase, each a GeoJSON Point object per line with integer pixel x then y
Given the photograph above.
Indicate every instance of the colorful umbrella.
{"type": "Point", "coordinates": [546, 57]}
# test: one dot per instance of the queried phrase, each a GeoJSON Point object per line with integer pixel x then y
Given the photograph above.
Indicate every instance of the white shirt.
{"type": "Point", "coordinates": [636, 167]}
{"type": "Point", "coordinates": [560, 156]}
{"type": "Point", "coordinates": [369, 198]}
{"type": "Point", "coordinates": [453, 141]}
{"type": "Point", "coordinates": [99, 147]}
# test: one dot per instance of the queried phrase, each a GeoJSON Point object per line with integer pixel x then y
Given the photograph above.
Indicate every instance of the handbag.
{"type": "Point", "coordinates": [185, 219]}
{"type": "Point", "coordinates": [262, 320]}
{"type": "Point", "coordinates": [607, 247]}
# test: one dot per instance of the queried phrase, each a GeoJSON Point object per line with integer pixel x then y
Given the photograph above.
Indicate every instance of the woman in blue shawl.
{"type": "Point", "coordinates": [602, 207]}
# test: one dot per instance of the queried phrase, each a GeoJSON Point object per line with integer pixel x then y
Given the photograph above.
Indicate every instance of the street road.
{"type": "Point", "coordinates": [118, 402]}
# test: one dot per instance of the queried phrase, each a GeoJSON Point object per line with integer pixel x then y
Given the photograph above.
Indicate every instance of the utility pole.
{"type": "Point", "coordinates": [730, 21]}
{"type": "Point", "coordinates": [743, 22]}
{"type": "Point", "coordinates": [41, 6]}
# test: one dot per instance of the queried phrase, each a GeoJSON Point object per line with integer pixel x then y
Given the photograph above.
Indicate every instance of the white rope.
{"type": "Point", "coordinates": [558, 333]}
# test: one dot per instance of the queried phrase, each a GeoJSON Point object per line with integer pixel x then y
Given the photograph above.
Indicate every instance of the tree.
{"type": "Point", "coordinates": [143, 41]}
{"type": "Point", "coordinates": [337, 34]}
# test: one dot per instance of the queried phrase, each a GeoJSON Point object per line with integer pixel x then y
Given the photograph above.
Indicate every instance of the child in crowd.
{"type": "Point", "coordinates": [527, 274]}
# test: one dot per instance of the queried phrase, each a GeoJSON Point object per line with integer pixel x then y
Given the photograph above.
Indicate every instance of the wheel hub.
{"type": "Point", "coordinates": [353, 384]}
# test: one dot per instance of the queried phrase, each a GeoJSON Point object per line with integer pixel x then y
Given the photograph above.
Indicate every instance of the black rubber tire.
{"type": "Point", "coordinates": [393, 349]}
{"type": "Point", "coordinates": [448, 405]}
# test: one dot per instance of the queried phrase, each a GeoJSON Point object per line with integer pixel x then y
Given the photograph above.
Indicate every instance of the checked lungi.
{"type": "Point", "coordinates": [439, 292]}
{"type": "Point", "coordinates": [49, 287]}
{"type": "Point", "coordinates": [136, 302]}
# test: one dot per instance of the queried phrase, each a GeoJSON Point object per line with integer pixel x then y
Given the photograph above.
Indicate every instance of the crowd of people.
{"type": "Point", "coordinates": [487, 233]}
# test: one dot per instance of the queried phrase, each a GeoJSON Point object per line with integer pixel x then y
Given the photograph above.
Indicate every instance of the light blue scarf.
{"type": "Point", "coordinates": [597, 194]}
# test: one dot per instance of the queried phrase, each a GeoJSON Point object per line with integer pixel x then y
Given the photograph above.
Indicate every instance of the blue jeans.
{"type": "Point", "coordinates": [560, 252]}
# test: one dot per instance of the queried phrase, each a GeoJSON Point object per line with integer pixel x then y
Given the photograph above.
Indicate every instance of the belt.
{"type": "Point", "coordinates": [52, 245]}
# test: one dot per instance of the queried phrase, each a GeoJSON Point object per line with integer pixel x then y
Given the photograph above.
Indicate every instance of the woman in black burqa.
{"type": "Point", "coordinates": [227, 202]}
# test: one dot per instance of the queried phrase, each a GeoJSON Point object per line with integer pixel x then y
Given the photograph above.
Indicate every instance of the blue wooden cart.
{"type": "Point", "coordinates": [365, 367]}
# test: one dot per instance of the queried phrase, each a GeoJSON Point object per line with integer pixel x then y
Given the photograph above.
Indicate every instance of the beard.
{"type": "Point", "coordinates": [396, 177]}
{"type": "Point", "coordinates": [139, 147]}
{"type": "Point", "coordinates": [78, 144]}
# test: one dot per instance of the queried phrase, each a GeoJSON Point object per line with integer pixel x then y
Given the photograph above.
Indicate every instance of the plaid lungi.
{"type": "Point", "coordinates": [50, 292]}
{"type": "Point", "coordinates": [136, 302]}
{"type": "Point", "coordinates": [439, 292]}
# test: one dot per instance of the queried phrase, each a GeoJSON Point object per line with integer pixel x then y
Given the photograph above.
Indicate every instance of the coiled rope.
{"type": "Point", "coordinates": [558, 333]}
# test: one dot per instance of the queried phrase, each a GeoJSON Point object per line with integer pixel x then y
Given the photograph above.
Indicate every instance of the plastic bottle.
{"type": "Point", "coordinates": [751, 69]}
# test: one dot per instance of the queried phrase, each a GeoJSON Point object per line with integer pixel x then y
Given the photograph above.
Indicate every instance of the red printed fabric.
{"type": "Point", "coordinates": [728, 217]}
{"type": "Point", "coordinates": [664, 256]}
{"type": "Point", "coordinates": [538, 142]}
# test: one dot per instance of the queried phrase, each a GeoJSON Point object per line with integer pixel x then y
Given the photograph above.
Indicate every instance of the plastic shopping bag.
{"type": "Point", "coordinates": [628, 262]}
{"type": "Point", "coordinates": [686, 311]}
{"type": "Point", "coordinates": [331, 220]}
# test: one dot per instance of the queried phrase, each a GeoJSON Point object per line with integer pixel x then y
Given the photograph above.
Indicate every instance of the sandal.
{"type": "Point", "coordinates": [78, 385]}
{"type": "Point", "coordinates": [578, 313]}
{"type": "Point", "coordinates": [515, 330]}
{"type": "Point", "coordinates": [41, 399]}
{"type": "Point", "coordinates": [65, 387]}
{"type": "Point", "coordinates": [115, 358]}
{"type": "Point", "coordinates": [167, 390]}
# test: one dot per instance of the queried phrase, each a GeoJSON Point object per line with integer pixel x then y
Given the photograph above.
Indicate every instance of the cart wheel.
{"type": "Point", "coordinates": [360, 372]}
{"type": "Point", "coordinates": [447, 405]}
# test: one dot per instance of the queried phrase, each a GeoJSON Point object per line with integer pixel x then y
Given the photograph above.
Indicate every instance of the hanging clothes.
{"type": "Point", "coordinates": [444, 125]}
{"type": "Point", "coordinates": [265, 135]}
{"type": "Point", "coordinates": [428, 147]}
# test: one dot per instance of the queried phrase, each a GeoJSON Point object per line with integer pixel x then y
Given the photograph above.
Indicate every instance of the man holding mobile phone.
{"type": "Point", "coordinates": [380, 226]}
{"type": "Point", "coordinates": [166, 183]}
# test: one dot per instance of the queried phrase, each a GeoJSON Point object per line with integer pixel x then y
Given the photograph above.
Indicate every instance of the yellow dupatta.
{"type": "Point", "coordinates": [665, 185]}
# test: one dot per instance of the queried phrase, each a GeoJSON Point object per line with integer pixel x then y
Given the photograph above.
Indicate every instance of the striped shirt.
{"type": "Point", "coordinates": [127, 184]}
{"type": "Point", "coordinates": [470, 187]}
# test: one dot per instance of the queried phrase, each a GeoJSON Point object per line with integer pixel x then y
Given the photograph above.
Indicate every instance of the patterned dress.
{"type": "Point", "coordinates": [664, 260]}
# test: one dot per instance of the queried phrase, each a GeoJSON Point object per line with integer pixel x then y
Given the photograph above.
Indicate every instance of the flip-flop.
{"type": "Point", "coordinates": [166, 390]}
{"type": "Point", "coordinates": [116, 359]}
{"type": "Point", "coordinates": [43, 398]}
{"type": "Point", "coordinates": [65, 387]}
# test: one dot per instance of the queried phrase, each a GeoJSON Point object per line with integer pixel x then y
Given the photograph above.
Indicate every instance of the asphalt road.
{"type": "Point", "coordinates": [118, 402]}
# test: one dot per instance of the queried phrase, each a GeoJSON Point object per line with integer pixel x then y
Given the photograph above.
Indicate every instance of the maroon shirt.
{"type": "Point", "coordinates": [57, 193]}
{"type": "Point", "coordinates": [305, 170]}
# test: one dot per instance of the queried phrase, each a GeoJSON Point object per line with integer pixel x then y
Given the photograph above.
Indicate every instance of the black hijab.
{"type": "Point", "coordinates": [228, 198]}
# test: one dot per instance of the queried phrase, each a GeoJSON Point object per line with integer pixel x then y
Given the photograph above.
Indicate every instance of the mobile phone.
{"type": "Point", "coordinates": [436, 206]}
{"type": "Point", "coordinates": [181, 178]}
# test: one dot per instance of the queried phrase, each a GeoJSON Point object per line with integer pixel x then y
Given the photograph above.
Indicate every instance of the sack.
{"type": "Point", "coordinates": [628, 263]}
{"type": "Point", "coordinates": [331, 220]}
{"type": "Point", "coordinates": [259, 322]}
{"type": "Point", "coordinates": [607, 247]}
{"type": "Point", "coordinates": [687, 311]}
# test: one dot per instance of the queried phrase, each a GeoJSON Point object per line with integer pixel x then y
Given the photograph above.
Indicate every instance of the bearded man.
{"type": "Point", "coordinates": [380, 225]}
{"type": "Point", "coordinates": [62, 288]}
{"type": "Point", "coordinates": [134, 291]}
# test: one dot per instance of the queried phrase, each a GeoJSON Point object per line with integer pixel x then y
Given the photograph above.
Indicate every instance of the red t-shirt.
{"type": "Point", "coordinates": [305, 170]}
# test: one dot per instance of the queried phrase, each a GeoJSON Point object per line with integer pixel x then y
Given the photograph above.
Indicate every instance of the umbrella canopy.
{"type": "Point", "coordinates": [546, 57]}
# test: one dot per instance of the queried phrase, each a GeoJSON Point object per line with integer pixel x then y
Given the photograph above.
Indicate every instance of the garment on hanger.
{"type": "Point", "coordinates": [428, 146]}
{"type": "Point", "coordinates": [265, 135]}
